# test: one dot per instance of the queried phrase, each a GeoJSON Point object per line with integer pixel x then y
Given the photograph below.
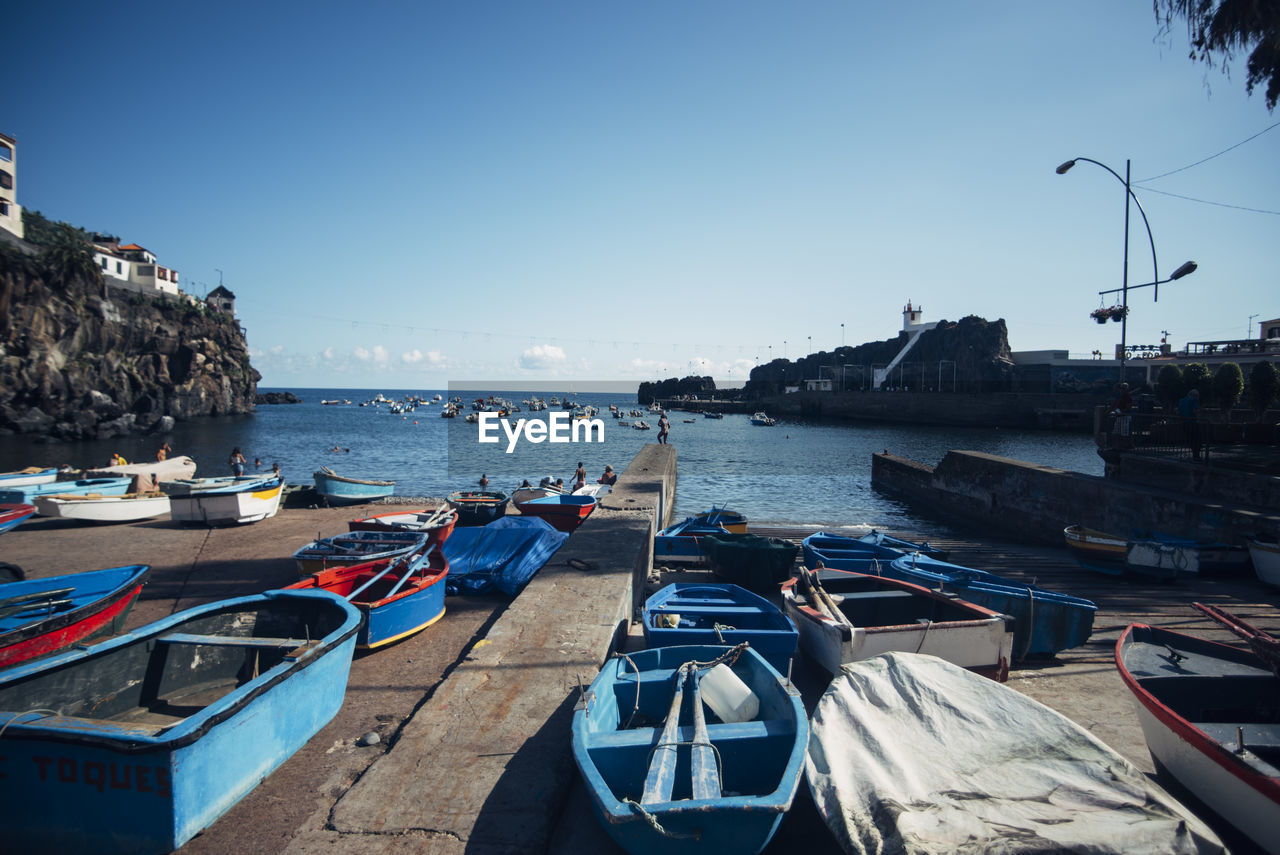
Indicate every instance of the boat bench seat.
{"type": "Point", "coordinates": [291, 644]}
{"type": "Point", "coordinates": [703, 609]}
{"type": "Point", "coordinates": [872, 595]}
{"type": "Point", "coordinates": [717, 733]}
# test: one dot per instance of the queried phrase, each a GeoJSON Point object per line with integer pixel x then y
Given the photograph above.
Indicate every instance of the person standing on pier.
{"type": "Point", "coordinates": [664, 429]}
{"type": "Point", "coordinates": [1188, 412]}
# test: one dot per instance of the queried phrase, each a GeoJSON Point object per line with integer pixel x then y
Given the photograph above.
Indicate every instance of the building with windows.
{"type": "Point", "coordinates": [133, 267]}
{"type": "Point", "coordinates": [222, 300]}
{"type": "Point", "coordinates": [10, 210]}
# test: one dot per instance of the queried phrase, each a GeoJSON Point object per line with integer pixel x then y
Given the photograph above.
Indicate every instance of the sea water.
{"type": "Point", "coordinates": [799, 471]}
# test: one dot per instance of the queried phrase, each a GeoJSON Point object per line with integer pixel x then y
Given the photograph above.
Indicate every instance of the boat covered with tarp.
{"type": "Point", "coordinates": [912, 754]}
{"type": "Point", "coordinates": [503, 555]}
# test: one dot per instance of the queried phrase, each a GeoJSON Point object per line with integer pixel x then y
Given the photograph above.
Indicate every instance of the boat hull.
{"type": "Point", "coordinates": [102, 486]}
{"type": "Point", "coordinates": [389, 616]}
{"type": "Point", "coordinates": [84, 781]}
{"type": "Point", "coordinates": [99, 603]}
{"type": "Point", "coordinates": [338, 490]}
{"type": "Point", "coordinates": [352, 548]}
{"type": "Point", "coordinates": [1096, 550]}
{"type": "Point", "coordinates": [1266, 560]}
{"type": "Point", "coordinates": [756, 563]}
{"type": "Point", "coordinates": [13, 515]}
{"type": "Point", "coordinates": [214, 508]}
{"type": "Point", "coordinates": [889, 615]}
{"type": "Point", "coordinates": [477, 507]}
{"type": "Point", "coordinates": [760, 759]}
{"type": "Point", "coordinates": [124, 508]}
{"type": "Point", "coordinates": [562, 512]}
{"type": "Point", "coordinates": [1198, 748]}
{"type": "Point", "coordinates": [27, 478]}
{"type": "Point", "coordinates": [687, 613]}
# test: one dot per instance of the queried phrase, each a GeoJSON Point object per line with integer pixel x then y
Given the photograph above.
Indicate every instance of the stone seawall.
{"type": "Point", "coordinates": [1034, 503]}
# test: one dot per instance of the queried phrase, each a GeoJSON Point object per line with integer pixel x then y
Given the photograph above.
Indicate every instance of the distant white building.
{"type": "Point", "coordinates": [133, 267]}
{"type": "Point", "coordinates": [10, 210]}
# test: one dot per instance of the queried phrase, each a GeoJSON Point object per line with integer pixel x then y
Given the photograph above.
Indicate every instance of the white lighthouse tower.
{"type": "Point", "coordinates": [911, 317]}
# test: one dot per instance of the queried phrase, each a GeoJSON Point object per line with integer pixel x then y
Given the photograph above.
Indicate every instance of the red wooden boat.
{"type": "Point", "coordinates": [12, 515]}
{"type": "Point", "coordinates": [564, 512]}
{"type": "Point", "coordinates": [438, 523]}
{"type": "Point", "coordinates": [43, 616]}
{"type": "Point", "coordinates": [398, 596]}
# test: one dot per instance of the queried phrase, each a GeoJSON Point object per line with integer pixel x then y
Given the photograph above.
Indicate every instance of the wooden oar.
{"type": "Point", "coordinates": [818, 595]}
{"type": "Point", "coordinates": [661, 778]}
{"type": "Point", "coordinates": [411, 565]}
{"type": "Point", "coordinates": [35, 597]}
{"type": "Point", "coordinates": [36, 608]}
{"type": "Point", "coordinates": [702, 758]}
{"type": "Point", "coordinates": [384, 571]}
{"type": "Point", "coordinates": [1265, 646]}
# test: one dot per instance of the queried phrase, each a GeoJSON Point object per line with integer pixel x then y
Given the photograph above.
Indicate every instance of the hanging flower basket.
{"type": "Point", "coordinates": [1100, 315]}
{"type": "Point", "coordinates": [1118, 313]}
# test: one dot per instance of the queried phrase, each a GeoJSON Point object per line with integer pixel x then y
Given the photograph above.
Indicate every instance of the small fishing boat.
{"type": "Point", "coordinates": [478, 507]}
{"type": "Point", "coordinates": [640, 425]}
{"type": "Point", "coordinates": [520, 495]}
{"type": "Point", "coordinates": [682, 543]}
{"type": "Point", "coordinates": [25, 495]}
{"type": "Point", "coordinates": [691, 613]}
{"type": "Point", "coordinates": [1096, 550]}
{"type": "Point", "coordinates": [910, 753]}
{"type": "Point", "coordinates": [847, 553]}
{"type": "Point", "coordinates": [666, 775]}
{"type": "Point", "coordinates": [713, 415]}
{"type": "Point", "coordinates": [505, 554]}
{"type": "Point", "coordinates": [1045, 622]}
{"type": "Point", "coordinates": [756, 563]}
{"type": "Point", "coordinates": [1266, 560]}
{"type": "Point", "coordinates": [340, 490]}
{"type": "Point", "coordinates": [761, 420]}
{"type": "Point", "coordinates": [356, 547]}
{"type": "Point", "coordinates": [218, 484]}
{"type": "Point", "coordinates": [1169, 556]}
{"type": "Point", "coordinates": [128, 507]}
{"type": "Point", "coordinates": [398, 596]}
{"type": "Point", "coordinates": [43, 616]}
{"type": "Point", "coordinates": [437, 523]}
{"type": "Point", "coordinates": [1209, 713]}
{"type": "Point", "coordinates": [158, 732]}
{"type": "Point", "coordinates": [879, 538]}
{"type": "Point", "coordinates": [27, 477]}
{"type": "Point", "coordinates": [730, 521]}
{"type": "Point", "coordinates": [846, 617]}
{"type": "Point", "coordinates": [13, 515]}
{"type": "Point", "coordinates": [237, 504]}
{"type": "Point", "coordinates": [564, 513]}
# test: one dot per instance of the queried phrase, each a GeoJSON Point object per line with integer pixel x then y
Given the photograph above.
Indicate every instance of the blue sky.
{"type": "Point", "coordinates": [404, 194]}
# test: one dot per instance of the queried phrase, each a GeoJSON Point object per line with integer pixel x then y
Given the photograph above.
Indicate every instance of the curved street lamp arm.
{"type": "Point", "coordinates": [1155, 267]}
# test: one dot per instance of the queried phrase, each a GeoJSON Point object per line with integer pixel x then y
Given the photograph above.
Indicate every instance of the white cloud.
{"type": "Point", "coordinates": [542, 357]}
{"type": "Point", "coordinates": [411, 357]}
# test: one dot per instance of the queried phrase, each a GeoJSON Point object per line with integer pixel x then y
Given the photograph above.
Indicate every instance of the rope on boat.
{"type": "Point", "coordinates": [1031, 620]}
{"type": "Point", "coordinates": [657, 826]}
{"type": "Point", "coordinates": [21, 714]}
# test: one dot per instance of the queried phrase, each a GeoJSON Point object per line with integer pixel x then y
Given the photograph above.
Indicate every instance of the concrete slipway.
{"type": "Point", "coordinates": [474, 713]}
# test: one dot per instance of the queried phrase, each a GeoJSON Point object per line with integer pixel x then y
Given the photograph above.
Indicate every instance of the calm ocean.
{"type": "Point", "coordinates": [800, 472]}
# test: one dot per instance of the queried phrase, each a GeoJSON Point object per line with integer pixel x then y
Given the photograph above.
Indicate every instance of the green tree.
{"type": "Point", "coordinates": [1228, 385]}
{"type": "Point", "coordinates": [1264, 387]}
{"type": "Point", "coordinates": [1169, 385]}
{"type": "Point", "coordinates": [68, 256]}
{"type": "Point", "coordinates": [1195, 375]}
{"type": "Point", "coordinates": [1218, 30]}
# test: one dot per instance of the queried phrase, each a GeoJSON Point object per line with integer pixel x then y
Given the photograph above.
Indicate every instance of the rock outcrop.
{"type": "Point", "coordinates": [80, 359]}
{"type": "Point", "coordinates": [648, 392]}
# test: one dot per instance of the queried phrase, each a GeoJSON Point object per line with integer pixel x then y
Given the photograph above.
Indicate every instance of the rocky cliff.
{"type": "Point", "coordinates": [80, 359]}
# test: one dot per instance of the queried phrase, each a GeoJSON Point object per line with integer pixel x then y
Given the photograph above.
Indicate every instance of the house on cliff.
{"type": "Point", "coordinates": [133, 267]}
{"type": "Point", "coordinates": [10, 210]}
{"type": "Point", "coordinates": [221, 299]}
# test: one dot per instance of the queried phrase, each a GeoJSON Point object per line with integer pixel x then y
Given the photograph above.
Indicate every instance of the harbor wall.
{"type": "Point", "coordinates": [1034, 503]}
{"type": "Point", "coordinates": [1211, 482]}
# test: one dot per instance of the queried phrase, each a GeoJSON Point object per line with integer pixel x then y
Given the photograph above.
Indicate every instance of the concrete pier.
{"type": "Point", "coordinates": [473, 713]}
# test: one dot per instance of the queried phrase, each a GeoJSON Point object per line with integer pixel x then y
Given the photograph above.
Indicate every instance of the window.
{"type": "Point", "coordinates": [119, 267]}
{"type": "Point", "coordinates": [6, 180]}
{"type": "Point", "coordinates": [4, 208]}
{"type": "Point", "coordinates": [146, 270]}
{"type": "Point", "coordinates": [6, 153]}
{"type": "Point", "coordinates": [104, 264]}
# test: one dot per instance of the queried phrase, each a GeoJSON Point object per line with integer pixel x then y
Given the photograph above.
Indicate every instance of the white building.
{"type": "Point", "coordinates": [133, 267]}
{"type": "Point", "coordinates": [10, 210]}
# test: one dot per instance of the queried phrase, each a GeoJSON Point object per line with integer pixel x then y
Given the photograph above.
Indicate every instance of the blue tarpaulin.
{"type": "Point", "coordinates": [503, 554]}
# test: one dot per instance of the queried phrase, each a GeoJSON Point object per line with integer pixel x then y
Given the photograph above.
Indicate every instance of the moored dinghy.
{"type": "Point", "coordinates": [28, 476]}
{"type": "Point", "coordinates": [129, 507]}
{"type": "Point", "coordinates": [478, 507]}
{"type": "Point", "coordinates": [357, 547]}
{"type": "Point", "coordinates": [846, 617]}
{"type": "Point", "coordinates": [1266, 560]}
{"type": "Point", "coordinates": [223, 501]}
{"type": "Point", "coordinates": [1209, 713]}
{"type": "Point", "coordinates": [194, 710]}
{"type": "Point", "coordinates": [342, 490]}
{"type": "Point", "coordinates": [912, 754]}
{"type": "Point", "coordinates": [666, 775]}
{"type": "Point", "coordinates": [563, 513]}
{"type": "Point", "coordinates": [697, 613]}
{"type": "Point", "coordinates": [102, 486]}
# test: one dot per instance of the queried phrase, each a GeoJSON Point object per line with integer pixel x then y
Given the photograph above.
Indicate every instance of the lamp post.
{"type": "Point", "coordinates": [1156, 281]}
{"type": "Point", "coordinates": [842, 335]}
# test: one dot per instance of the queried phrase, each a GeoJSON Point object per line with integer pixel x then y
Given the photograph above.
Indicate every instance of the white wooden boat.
{"type": "Point", "coordinates": [215, 507]}
{"type": "Point", "coordinates": [909, 753]}
{"type": "Point", "coordinates": [1266, 560]}
{"type": "Point", "coordinates": [1209, 712]}
{"type": "Point", "coordinates": [90, 508]}
{"type": "Point", "coordinates": [845, 617]}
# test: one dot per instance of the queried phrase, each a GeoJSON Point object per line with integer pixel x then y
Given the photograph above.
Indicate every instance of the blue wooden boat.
{"type": "Point", "coordinates": [341, 490]}
{"type": "Point", "coordinates": [1045, 622]}
{"type": "Point", "coordinates": [136, 744]}
{"type": "Point", "coordinates": [357, 547]}
{"type": "Point", "coordinates": [13, 515]}
{"type": "Point", "coordinates": [665, 775]}
{"type": "Point", "coordinates": [682, 543]}
{"type": "Point", "coordinates": [25, 495]}
{"type": "Point", "coordinates": [43, 616]}
{"type": "Point", "coordinates": [221, 484]}
{"type": "Point", "coordinates": [879, 538]}
{"type": "Point", "coordinates": [398, 596]}
{"type": "Point", "coordinates": [692, 613]}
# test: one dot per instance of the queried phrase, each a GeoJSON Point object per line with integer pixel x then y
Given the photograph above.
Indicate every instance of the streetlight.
{"type": "Point", "coordinates": [842, 335]}
{"type": "Point", "coordinates": [1156, 281]}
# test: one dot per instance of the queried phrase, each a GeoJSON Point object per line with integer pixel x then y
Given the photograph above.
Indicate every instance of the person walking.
{"type": "Point", "coordinates": [1188, 412]}
{"type": "Point", "coordinates": [237, 462]}
{"type": "Point", "coordinates": [579, 477]}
